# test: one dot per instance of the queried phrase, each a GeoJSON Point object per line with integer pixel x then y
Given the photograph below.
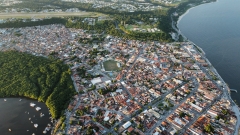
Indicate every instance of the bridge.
{"type": "Point", "coordinates": [233, 90]}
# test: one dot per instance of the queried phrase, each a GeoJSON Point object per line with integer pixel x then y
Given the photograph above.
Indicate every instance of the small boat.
{"type": "Point", "coordinates": [47, 129]}
{"type": "Point", "coordinates": [29, 119]}
{"type": "Point", "coordinates": [41, 115]}
{"type": "Point", "coordinates": [27, 130]}
{"type": "Point", "coordinates": [31, 122]}
{"type": "Point", "coordinates": [35, 125]}
{"type": "Point", "coordinates": [20, 99]}
{"type": "Point", "coordinates": [32, 104]}
{"type": "Point", "coordinates": [5, 99]}
{"type": "Point", "coordinates": [33, 133]}
{"type": "Point", "coordinates": [10, 129]}
{"type": "Point", "coordinates": [44, 131]}
{"type": "Point", "coordinates": [38, 108]}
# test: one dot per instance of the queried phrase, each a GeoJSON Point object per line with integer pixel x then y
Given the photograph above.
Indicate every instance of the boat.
{"type": "Point", "coordinates": [41, 115]}
{"type": "Point", "coordinates": [35, 125]}
{"type": "Point", "coordinates": [32, 104]}
{"type": "Point", "coordinates": [33, 133]}
{"type": "Point", "coordinates": [5, 99]}
{"type": "Point", "coordinates": [47, 129]}
{"type": "Point", "coordinates": [38, 108]}
{"type": "Point", "coordinates": [29, 119]}
{"type": "Point", "coordinates": [44, 131]}
{"type": "Point", "coordinates": [10, 129]}
{"type": "Point", "coordinates": [20, 99]}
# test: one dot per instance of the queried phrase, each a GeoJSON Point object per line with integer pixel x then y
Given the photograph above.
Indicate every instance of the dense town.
{"type": "Point", "coordinates": [132, 87]}
{"type": "Point", "coordinates": [121, 5]}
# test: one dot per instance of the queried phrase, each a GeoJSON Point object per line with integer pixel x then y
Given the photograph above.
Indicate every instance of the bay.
{"type": "Point", "coordinates": [15, 114]}
{"type": "Point", "coordinates": [215, 28]}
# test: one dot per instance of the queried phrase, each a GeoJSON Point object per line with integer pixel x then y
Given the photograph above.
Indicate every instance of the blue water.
{"type": "Point", "coordinates": [215, 27]}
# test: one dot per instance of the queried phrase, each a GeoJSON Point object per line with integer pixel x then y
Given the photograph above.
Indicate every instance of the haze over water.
{"type": "Point", "coordinates": [215, 27]}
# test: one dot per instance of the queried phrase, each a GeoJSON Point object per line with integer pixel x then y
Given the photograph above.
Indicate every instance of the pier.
{"type": "Point", "coordinates": [233, 90]}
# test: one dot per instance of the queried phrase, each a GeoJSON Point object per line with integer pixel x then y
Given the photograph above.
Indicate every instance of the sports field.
{"type": "Point", "coordinates": [110, 65]}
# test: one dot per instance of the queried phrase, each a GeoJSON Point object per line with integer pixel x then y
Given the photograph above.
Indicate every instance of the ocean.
{"type": "Point", "coordinates": [215, 28]}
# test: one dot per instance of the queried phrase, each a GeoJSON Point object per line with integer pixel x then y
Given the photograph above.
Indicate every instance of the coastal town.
{"type": "Point", "coordinates": [132, 87]}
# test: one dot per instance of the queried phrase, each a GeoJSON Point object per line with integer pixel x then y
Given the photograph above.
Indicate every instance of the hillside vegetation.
{"type": "Point", "coordinates": [46, 80]}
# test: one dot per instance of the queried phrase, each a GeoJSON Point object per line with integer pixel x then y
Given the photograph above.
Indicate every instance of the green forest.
{"type": "Point", "coordinates": [107, 27]}
{"type": "Point", "coordinates": [45, 79]}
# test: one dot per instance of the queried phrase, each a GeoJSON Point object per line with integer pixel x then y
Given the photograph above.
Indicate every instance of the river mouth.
{"type": "Point", "coordinates": [18, 117]}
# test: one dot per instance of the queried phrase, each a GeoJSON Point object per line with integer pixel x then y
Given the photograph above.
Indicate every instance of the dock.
{"type": "Point", "coordinates": [233, 90]}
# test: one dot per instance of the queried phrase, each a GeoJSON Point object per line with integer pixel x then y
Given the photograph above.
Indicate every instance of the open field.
{"type": "Point", "coordinates": [141, 28]}
{"type": "Point", "coordinates": [50, 14]}
{"type": "Point", "coordinates": [130, 27]}
{"type": "Point", "coordinates": [110, 65]}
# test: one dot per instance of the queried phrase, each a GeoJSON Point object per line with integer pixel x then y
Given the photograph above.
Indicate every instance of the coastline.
{"type": "Point", "coordinates": [181, 16]}
{"type": "Point", "coordinates": [225, 87]}
{"type": "Point", "coordinates": [179, 33]}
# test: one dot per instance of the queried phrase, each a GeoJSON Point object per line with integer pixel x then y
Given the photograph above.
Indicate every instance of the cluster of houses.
{"type": "Point", "coordinates": [9, 2]}
{"type": "Point", "coordinates": [162, 88]}
{"type": "Point", "coordinates": [120, 5]}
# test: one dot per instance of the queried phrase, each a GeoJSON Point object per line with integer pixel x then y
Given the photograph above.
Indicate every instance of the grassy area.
{"type": "Point", "coordinates": [51, 14]}
{"type": "Point", "coordinates": [130, 27]}
{"type": "Point", "coordinates": [141, 28]}
{"type": "Point", "coordinates": [110, 65]}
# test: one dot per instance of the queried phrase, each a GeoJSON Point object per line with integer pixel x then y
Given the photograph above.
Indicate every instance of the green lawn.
{"type": "Point", "coordinates": [110, 65]}
{"type": "Point", "coordinates": [129, 27]}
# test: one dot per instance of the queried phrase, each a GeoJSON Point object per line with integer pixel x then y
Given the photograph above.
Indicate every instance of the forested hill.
{"type": "Point", "coordinates": [47, 80]}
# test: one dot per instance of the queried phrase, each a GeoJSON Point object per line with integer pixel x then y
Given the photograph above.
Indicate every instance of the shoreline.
{"type": "Point", "coordinates": [225, 87]}
{"type": "Point", "coordinates": [179, 33]}
{"type": "Point", "coordinates": [181, 16]}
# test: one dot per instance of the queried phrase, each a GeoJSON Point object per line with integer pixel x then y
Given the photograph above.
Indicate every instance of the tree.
{"type": "Point", "coordinates": [182, 114]}
{"type": "Point", "coordinates": [208, 128]}
{"type": "Point", "coordinates": [94, 119]}
{"type": "Point", "coordinates": [225, 112]}
{"type": "Point", "coordinates": [89, 131]}
{"type": "Point", "coordinates": [217, 117]}
{"type": "Point", "coordinates": [47, 80]}
{"type": "Point", "coordinates": [63, 126]}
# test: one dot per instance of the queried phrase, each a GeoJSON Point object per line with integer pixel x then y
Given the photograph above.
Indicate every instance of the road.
{"type": "Point", "coordinates": [224, 90]}
{"type": "Point", "coordinates": [176, 29]}
{"type": "Point", "coordinates": [175, 107]}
